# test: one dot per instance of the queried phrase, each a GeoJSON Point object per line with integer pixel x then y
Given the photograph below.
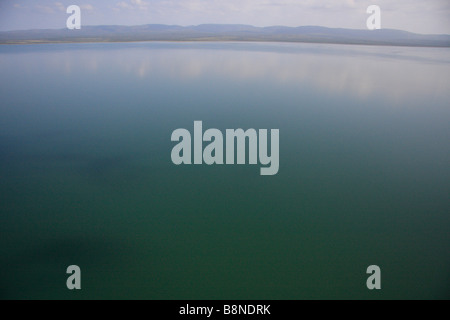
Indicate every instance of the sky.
{"type": "Point", "coordinates": [420, 16]}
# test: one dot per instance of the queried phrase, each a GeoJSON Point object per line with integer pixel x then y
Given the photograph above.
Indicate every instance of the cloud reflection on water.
{"type": "Point", "coordinates": [359, 71]}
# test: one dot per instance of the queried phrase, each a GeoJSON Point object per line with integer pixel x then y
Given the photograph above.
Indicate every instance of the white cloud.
{"type": "Point", "coordinates": [60, 6]}
{"type": "Point", "coordinates": [133, 5]}
{"type": "Point", "coordinates": [138, 2]}
{"type": "Point", "coordinates": [123, 5]}
{"type": "Point", "coordinates": [88, 7]}
{"type": "Point", "coordinates": [45, 9]}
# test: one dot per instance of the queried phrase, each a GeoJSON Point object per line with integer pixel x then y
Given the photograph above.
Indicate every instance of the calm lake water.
{"type": "Point", "coordinates": [86, 176]}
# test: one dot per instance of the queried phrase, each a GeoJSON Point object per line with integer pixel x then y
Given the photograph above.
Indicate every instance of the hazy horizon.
{"type": "Point", "coordinates": [216, 24]}
{"type": "Point", "coordinates": [407, 15]}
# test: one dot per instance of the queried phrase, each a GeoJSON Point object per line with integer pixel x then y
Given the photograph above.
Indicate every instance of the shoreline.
{"type": "Point", "coordinates": [34, 42]}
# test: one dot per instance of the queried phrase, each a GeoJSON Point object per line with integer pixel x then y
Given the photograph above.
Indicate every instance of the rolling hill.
{"type": "Point", "coordinates": [217, 32]}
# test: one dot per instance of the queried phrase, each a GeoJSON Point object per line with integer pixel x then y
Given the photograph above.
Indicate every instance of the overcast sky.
{"type": "Point", "coordinates": [421, 16]}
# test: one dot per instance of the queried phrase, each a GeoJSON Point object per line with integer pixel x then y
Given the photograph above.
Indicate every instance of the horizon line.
{"type": "Point", "coordinates": [227, 24]}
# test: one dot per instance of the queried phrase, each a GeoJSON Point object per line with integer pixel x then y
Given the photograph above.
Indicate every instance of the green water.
{"type": "Point", "coordinates": [86, 176]}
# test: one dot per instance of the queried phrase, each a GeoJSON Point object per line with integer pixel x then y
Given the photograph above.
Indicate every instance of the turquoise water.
{"type": "Point", "coordinates": [86, 176]}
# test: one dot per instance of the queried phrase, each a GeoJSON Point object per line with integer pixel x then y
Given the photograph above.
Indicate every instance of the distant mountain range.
{"type": "Point", "coordinates": [217, 32]}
